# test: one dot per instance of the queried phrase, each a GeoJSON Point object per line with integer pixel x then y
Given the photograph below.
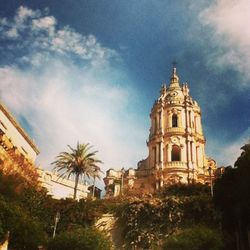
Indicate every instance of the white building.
{"type": "Point", "coordinates": [59, 187]}
{"type": "Point", "coordinates": [17, 150]}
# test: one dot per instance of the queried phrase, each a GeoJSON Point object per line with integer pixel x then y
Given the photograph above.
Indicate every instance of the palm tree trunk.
{"type": "Point", "coordinates": [84, 178]}
{"type": "Point", "coordinates": [76, 184]}
{"type": "Point", "coordinates": [93, 192]}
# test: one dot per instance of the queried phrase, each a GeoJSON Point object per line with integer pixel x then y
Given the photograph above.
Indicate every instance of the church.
{"type": "Point", "coordinates": [176, 147]}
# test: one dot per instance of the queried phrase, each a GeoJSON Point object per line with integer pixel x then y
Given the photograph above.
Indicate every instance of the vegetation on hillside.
{"type": "Point", "coordinates": [232, 198]}
{"type": "Point", "coordinates": [148, 222]}
{"type": "Point", "coordinates": [178, 217]}
{"type": "Point", "coordinates": [82, 238]}
{"type": "Point", "coordinates": [197, 237]}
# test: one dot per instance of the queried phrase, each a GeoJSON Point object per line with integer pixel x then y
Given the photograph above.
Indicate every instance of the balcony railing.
{"type": "Point", "coordinates": [175, 164]}
{"type": "Point", "coordinates": [175, 130]}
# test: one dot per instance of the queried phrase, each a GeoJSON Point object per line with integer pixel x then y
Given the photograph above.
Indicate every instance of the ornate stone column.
{"type": "Point", "coordinates": [194, 154]}
{"type": "Point", "coordinates": [182, 153]}
{"type": "Point", "coordinates": [161, 154]}
{"type": "Point", "coordinates": [169, 152]}
{"type": "Point", "coordinates": [179, 119]}
{"type": "Point", "coordinates": [169, 119]}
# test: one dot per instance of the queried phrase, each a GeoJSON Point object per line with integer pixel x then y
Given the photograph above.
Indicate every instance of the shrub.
{"type": "Point", "coordinates": [25, 232]}
{"type": "Point", "coordinates": [184, 190]}
{"type": "Point", "coordinates": [80, 239]}
{"type": "Point", "coordinates": [144, 221]}
{"type": "Point", "coordinates": [195, 238]}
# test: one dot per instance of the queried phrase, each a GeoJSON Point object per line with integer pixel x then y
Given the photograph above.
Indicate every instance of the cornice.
{"type": "Point", "coordinates": [19, 128]}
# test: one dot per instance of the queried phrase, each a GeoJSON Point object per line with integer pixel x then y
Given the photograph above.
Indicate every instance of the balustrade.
{"type": "Point", "coordinates": [175, 164]}
{"type": "Point", "coordinates": [175, 130]}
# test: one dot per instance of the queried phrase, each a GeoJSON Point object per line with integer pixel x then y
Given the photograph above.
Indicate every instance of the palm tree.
{"type": "Point", "coordinates": [79, 162]}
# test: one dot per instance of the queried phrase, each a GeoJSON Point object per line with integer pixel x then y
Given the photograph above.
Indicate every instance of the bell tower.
{"type": "Point", "coordinates": [176, 146]}
{"type": "Point", "coordinates": [176, 142]}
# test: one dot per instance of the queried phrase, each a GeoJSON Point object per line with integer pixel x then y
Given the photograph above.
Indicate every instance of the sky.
{"type": "Point", "coordinates": [89, 71]}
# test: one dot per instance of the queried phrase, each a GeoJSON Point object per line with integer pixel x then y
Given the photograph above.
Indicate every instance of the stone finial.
{"type": "Point", "coordinates": [163, 89]}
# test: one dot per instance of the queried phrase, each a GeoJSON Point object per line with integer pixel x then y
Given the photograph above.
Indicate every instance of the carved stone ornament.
{"type": "Point", "coordinates": [175, 140]}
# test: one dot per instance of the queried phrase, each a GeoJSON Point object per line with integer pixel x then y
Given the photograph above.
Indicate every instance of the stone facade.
{"type": "Point", "coordinates": [60, 188]}
{"type": "Point", "coordinates": [176, 146]}
{"type": "Point", "coordinates": [17, 151]}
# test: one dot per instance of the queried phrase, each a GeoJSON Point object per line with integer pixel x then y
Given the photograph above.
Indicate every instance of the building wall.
{"type": "Point", "coordinates": [176, 144]}
{"type": "Point", "coordinates": [17, 151]}
{"type": "Point", "coordinates": [60, 188]}
{"type": "Point", "coordinates": [14, 132]}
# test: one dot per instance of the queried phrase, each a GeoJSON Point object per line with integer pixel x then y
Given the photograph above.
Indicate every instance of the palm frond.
{"type": "Point", "coordinates": [78, 161]}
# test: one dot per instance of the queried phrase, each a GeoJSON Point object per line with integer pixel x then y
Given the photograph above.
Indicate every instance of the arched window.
{"type": "Point", "coordinates": [174, 121]}
{"type": "Point", "coordinates": [176, 153]}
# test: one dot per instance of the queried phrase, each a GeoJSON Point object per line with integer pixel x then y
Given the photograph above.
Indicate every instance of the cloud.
{"type": "Point", "coordinates": [229, 21]}
{"type": "Point", "coordinates": [23, 13]}
{"type": "Point", "coordinates": [65, 101]}
{"type": "Point", "coordinates": [229, 42]}
{"type": "Point", "coordinates": [227, 153]}
{"type": "Point", "coordinates": [44, 23]}
{"type": "Point", "coordinates": [35, 32]}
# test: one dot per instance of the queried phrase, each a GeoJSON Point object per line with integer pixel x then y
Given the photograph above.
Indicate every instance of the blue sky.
{"type": "Point", "coordinates": [91, 70]}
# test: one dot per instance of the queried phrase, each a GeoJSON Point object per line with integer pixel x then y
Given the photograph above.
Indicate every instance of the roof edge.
{"type": "Point", "coordinates": [18, 127]}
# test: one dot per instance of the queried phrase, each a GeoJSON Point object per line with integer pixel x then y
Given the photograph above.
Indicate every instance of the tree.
{"type": "Point", "coordinates": [232, 197]}
{"type": "Point", "coordinates": [79, 162]}
{"type": "Point", "coordinates": [25, 231]}
{"type": "Point", "coordinates": [80, 238]}
{"type": "Point", "coordinates": [195, 238]}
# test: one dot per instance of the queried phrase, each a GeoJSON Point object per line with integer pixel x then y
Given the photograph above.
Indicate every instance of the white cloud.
{"type": "Point", "coordinates": [230, 36]}
{"type": "Point", "coordinates": [11, 28]}
{"type": "Point", "coordinates": [12, 33]}
{"type": "Point", "coordinates": [229, 20]}
{"type": "Point", "coordinates": [23, 13]}
{"type": "Point", "coordinates": [65, 102]}
{"type": "Point", "coordinates": [93, 112]}
{"type": "Point", "coordinates": [45, 23]}
{"type": "Point", "coordinates": [30, 26]}
{"type": "Point", "coordinates": [227, 153]}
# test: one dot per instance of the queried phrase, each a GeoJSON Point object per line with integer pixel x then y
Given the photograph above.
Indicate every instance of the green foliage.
{"type": "Point", "coordinates": [39, 205]}
{"type": "Point", "coordinates": [11, 186]}
{"type": "Point", "coordinates": [232, 189]}
{"type": "Point", "coordinates": [143, 220]}
{"type": "Point", "coordinates": [78, 162]}
{"type": "Point", "coordinates": [2, 228]}
{"type": "Point", "coordinates": [184, 190]}
{"type": "Point", "coordinates": [80, 239]}
{"type": "Point", "coordinates": [149, 220]}
{"type": "Point", "coordinates": [232, 197]}
{"type": "Point", "coordinates": [83, 213]}
{"type": "Point", "coordinates": [195, 238]}
{"type": "Point", "coordinates": [25, 233]}
{"type": "Point", "coordinates": [199, 209]}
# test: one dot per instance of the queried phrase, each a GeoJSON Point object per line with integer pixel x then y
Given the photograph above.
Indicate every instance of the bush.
{"type": "Point", "coordinates": [144, 221]}
{"type": "Point", "coordinates": [184, 190]}
{"type": "Point", "coordinates": [80, 239]}
{"type": "Point", "coordinates": [25, 232]}
{"type": "Point", "coordinates": [196, 238]}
